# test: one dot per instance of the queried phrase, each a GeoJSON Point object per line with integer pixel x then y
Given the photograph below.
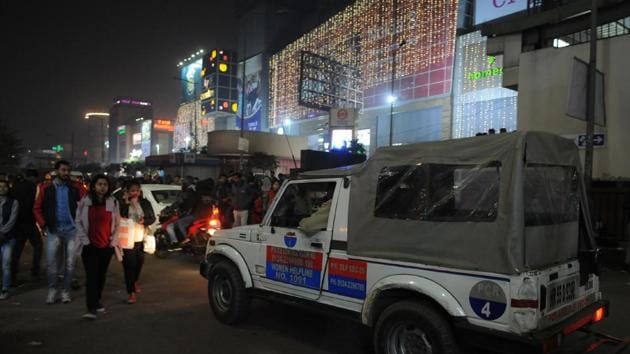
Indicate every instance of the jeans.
{"type": "Point", "coordinates": [5, 251]}
{"type": "Point", "coordinates": [26, 232]}
{"type": "Point", "coordinates": [182, 225]}
{"type": "Point", "coordinates": [133, 260]}
{"type": "Point", "coordinates": [96, 262]}
{"type": "Point", "coordinates": [240, 217]}
{"type": "Point", "coordinates": [67, 240]}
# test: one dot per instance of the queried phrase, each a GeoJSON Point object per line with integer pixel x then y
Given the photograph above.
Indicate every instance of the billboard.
{"type": "Point", "coordinates": [146, 137]}
{"type": "Point", "coordinates": [488, 10]}
{"type": "Point", "coordinates": [191, 80]}
{"type": "Point", "coordinates": [253, 93]}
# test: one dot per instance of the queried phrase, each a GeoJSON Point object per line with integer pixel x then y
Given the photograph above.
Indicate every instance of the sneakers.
{"type": "Point", "coordinates": [4, 294]}
{"type": "Point", "coordinates": [51, 297]}
{"type": "Point", "coordinates": [136, 288]}
{"type": "Point", "coordinates": [65, 296]}
{"type": "Point", "coordinates": [100, 308]}
{"type": "Point", "coordinates": [132, 298]}
{"type": "Point", "coordinates": [90, 315]}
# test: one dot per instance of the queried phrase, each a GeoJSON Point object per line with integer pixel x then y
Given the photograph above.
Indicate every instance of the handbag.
{"type": "Point", "coordinates": [127, 232]}
{"type": "Point", "coordinates": [149, 244]}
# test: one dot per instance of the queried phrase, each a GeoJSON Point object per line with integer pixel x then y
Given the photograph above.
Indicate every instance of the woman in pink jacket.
{"type": "Point", "coordinates": [97, 221]}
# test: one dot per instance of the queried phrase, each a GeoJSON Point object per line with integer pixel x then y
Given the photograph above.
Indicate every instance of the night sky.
{"type": "Point", "coordinates": [61, 59]}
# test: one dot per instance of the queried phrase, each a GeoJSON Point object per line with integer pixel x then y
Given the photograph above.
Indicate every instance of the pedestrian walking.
{"type": "Point", "coordinates": [9, 212]}
{"type": "Point", "coordinates": [242, 199]}
{"type": "Point", "coordinates": [271, 195]}
{"type": "Point", "coordinates": [55, 210]}
{"type": "Point", "coordinates": [138, 209]}
{"type": "Point", "coordinates": [24, 192]}
{"type": "Point", "coordinates": [98, 217]}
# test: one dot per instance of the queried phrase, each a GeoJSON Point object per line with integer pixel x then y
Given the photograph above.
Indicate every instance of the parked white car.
{"type": "Point", "coordinates": [480, 240]}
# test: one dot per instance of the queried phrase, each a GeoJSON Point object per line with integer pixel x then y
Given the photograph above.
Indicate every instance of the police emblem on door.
{"type": "Point", "coordinates": [488, 300]}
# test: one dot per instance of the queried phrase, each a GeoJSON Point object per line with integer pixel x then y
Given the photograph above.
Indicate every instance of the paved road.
{"type": "Point", "coordinates": [172, 316]}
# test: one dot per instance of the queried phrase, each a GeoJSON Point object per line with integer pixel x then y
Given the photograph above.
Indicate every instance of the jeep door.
{"type": "Point", "coordinates": [295, 238]}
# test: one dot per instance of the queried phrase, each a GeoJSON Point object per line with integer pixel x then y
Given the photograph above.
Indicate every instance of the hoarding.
{"type": "Point", "coordinates": [488, 10]}
{"type": "Point", "coordinates": [136, 139]}
{"type": "Point", "coordinates": [146, 137]}
{"type": "Point", "coordinates": [253, 93]}
{"type": "Point", "coordinates": [191, 80]}
{"type": "Point", "coordinates": [163, 125]}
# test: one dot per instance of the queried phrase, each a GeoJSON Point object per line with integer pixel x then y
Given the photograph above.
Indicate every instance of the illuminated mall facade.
{"type": "Point", "coordinates": [416, 78]}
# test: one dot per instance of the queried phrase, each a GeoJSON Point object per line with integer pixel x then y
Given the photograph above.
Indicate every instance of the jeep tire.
{"type": "Point", "coordinates": [413, 327]}
{"type": "Point", "coordinates": [227, 294]}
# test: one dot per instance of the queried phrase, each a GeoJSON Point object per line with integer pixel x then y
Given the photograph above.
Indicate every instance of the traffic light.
{"type": "Point", "coordinates": [57, 148]}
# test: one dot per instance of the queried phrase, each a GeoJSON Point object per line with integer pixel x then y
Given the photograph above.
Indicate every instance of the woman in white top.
{"type": "Point", "coordinates": [133, 206]}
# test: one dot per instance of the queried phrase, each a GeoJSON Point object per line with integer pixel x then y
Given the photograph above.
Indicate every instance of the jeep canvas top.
{"type": "Point", "coordinates": [427, 244]}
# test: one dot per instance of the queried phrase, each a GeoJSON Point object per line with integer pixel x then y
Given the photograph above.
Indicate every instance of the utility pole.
{"type": "Point", "coordinates": [243, 84]}
{"type": "Point", "coordinates": [392, 98]}
{"type": "Point", "coordinates": [590, 103]}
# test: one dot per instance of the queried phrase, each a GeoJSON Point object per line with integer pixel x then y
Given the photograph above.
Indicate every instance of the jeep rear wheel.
{"type": "Point", "coordinates": [413, 327]}
{"type": "Point", "coordinates": [227, 294]}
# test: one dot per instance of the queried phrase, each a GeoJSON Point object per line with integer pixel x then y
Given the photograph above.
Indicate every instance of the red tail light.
{"type": "Point", "coordinates": [215, 222]}
{"type": "Point", "coordinates": [599, 314]}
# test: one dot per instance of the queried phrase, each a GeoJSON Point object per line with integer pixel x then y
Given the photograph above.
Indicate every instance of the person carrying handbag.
{"type": "Point", "coordinates": [136, 208]}
{"type": "Point", "coordinates": [97, 222]}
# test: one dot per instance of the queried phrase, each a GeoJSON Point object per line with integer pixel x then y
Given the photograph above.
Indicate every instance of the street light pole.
{"type": "Point", "coordinates": [590, 104]}
{"type": "Point", "coordinates": [395, 47]}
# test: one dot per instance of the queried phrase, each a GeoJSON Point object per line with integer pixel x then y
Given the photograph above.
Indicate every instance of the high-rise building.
{"type": "Point", "coordinates": [130, 127]}
{"type": "Point", "coordinates": [97, 144]}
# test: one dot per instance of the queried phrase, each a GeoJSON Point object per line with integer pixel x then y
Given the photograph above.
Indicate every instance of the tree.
{"type": "Point", "coordinates": [262, 161]}
{"type": "Point", "coordinates": [11, 149]}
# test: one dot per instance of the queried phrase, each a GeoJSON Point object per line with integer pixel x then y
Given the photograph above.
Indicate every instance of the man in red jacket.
{"type": "Point", "coordinates": [55, 210]}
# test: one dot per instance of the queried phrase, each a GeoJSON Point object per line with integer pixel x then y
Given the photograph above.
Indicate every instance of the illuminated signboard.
{"type": "Point", "coordinates": [488, 10]}
{"type": "Point", "coordinates": [133, 102]}
{"type": "Point", "coordinates": [191, 80]}
{"type": "Point", "coordinates": [146, 137]}
{"type": "Point", "coordinates": [163, 125]}
{"type": "Point", "coordinates": [122, 130]}
{"type": "Point", "coordinates": [492, 70]}
{"type": "Point", "coordinates": [136, 138]}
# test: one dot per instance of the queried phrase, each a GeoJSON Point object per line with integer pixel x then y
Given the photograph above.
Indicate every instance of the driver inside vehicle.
{"type": "Point", "coordinates": [305, 206]}
{"type": "Point", "coordinates": [318, 220]}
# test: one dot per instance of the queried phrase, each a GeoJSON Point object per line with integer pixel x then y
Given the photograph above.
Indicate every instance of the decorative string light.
{"type": "Point", "coordinates": [184, 125]}
{"type": "Point", "coordinates": [480, 102]}
{"type": "Point", "coordinates": [361, 36]}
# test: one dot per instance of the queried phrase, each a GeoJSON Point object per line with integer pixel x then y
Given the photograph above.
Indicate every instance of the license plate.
{"type": "Point", "coordinates": [561, 292]}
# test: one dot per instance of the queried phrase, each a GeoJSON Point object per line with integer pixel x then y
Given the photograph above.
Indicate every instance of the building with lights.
{"type": "Point", "coordinates": [134, 133]}
{"type": "Point", "coordinates": [97, 143]}
{"type": "Point", "coordinates": [210, 97]}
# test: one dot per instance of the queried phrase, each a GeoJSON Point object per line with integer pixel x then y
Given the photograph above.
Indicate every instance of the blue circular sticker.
{"type": "Point", "coordinates": [290, 239]}
{"type": "Point", "coordinates": [488, 300]}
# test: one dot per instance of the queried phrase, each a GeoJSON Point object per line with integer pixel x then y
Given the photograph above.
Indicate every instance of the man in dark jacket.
{"type": "Point", "coordinates": [55, 210]}
{"type": "Point", "coordinates": [242, 199]}
{"type": "Point", "coordinates": [8, 216]}
{"type": "Point", "coordinates": [25, 229]}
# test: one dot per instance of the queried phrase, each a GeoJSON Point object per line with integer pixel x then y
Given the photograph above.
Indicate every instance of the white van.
{"type": "Point", "coordinates": [429, 244]}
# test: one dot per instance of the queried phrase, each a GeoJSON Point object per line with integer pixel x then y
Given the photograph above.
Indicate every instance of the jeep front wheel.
{"type": "Point", "coordinates": [227, 294]}
{"type": "Point", "coordinates": [413, 327]}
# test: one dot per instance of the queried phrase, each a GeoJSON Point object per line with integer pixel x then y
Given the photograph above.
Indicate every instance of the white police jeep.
{"type": "Point", "coordinates": [431, 245]}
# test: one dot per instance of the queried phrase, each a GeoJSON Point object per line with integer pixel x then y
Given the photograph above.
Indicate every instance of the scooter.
{"type": "Point", "coordinates": [196, 238]}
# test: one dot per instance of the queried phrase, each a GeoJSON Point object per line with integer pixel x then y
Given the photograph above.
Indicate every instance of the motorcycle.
{"type": "Point", "coordinates": [197, 234]}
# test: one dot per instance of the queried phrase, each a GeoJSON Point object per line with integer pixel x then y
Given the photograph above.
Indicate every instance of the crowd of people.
{"type": "Point", "coordinates": [64, 218]}
{"type": "Point", "coordinates": [74, 220]}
